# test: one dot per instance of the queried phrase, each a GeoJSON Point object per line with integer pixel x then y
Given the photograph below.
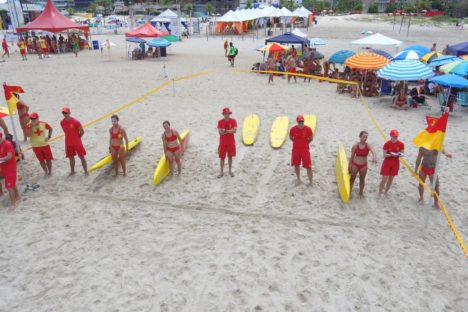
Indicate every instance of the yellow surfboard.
{"type": "Point", "coordinates": [162, 169]}
{"type": "Point", "coordinates": [279, 131]}
{"type": "Point", "coordinates": [250, 129]}
{"type": "Point", "coordinates": [311, 121]}
{"type": "Point", "coordinates": [342, 174]}
{"type": "Point", "coordinates": [108, 159]}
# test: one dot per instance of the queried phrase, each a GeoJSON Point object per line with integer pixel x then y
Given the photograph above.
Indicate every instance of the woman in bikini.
{"type": "Point", "coordinates": [116, 145]}
{"type": "Point", "coordinates": [358, 161]}
{"type": "Point", "coordinates": [172, 148]}
{"type": "Point", "coordinates": [400, 101]}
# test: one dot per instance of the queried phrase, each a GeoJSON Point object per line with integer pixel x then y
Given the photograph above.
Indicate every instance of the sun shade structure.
{"type": "Point", "coordinates": [274, 47]}
{"type": "Point", "coordinates": [407, 55]}
{"type": "Point", "coordinates": [146, 31]}
{"type": "Point", "coordinates": [422, 50]}
{"type": "Point", "coordinates": [288, 38]}
{"type": "Point", "coordinates": [405, 70]}
{"type": "Point", "coordinates": [377, 40]}
{"type": "Point", "coordinates": [51, 20]}
{"type": "Point", "coordinates": [317, 41]}
{"type": "Point", "coordinates": [459, 48]}
{"type": "Point", "coordinates": [427, 58]}
{"type": "Point", "coordinates": [383, 53]}
{"type": "Point", "coordinates": [459, 68]}
{"type": "Point", "coordinates": [444, 59]}
{"type": "Point", "coordinates": [158, 43]}
{"type": "Point", "coordinates": [366, 60]}
{"type": "Point", "coordinates": [453, 81]}
{"type": "Point", "coordinates": [299, 33]}
{"type": "Point", "coordinates": [135, 40]}
{"type": "Point", "coordinates": [341, 56]}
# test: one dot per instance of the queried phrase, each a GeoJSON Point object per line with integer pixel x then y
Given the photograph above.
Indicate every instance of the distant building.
{"type": "Point", "coordinates": [221, 6]}
{"type": "Point", "coordinates": [82, 5]}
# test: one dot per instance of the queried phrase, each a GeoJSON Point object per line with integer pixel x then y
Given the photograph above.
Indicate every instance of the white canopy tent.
{"type": "Point", "coordinates": [299, 33]}
{"type": "Point", "coordinates": [230, 17]}
{"type": "Point", "coordinates": [377, 40]}
{"type": "Point", "coordinates": [301, 12]}
{"type": "Point", "coordinates": [168, 13]}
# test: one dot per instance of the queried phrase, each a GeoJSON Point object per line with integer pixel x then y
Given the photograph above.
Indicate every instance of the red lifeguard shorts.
{"type": "Point", "coordinates": [43, 153]}
{"type": "Point", "coordinates": [301, 156]}
{"type": "Point", "coordinates": [72, 150]}
{"type": "Point", "coordinates": [10, 178]}
{"type": "Point", "coordinates": [390, 167]}
{"type": "Point", "coordinates": [229, 150]}
{"type": "Point", "coordinates": [428, 171]}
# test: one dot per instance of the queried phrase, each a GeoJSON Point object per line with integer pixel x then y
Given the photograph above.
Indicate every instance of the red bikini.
{"type": "Point", "coordinates": [361, 152]}
{"type": "Point", "coordinates": [172, 138]}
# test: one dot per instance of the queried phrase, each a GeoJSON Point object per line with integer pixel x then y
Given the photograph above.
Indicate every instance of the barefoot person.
{"type": "Point", "coordinates": [392, 150]}
{"type": "Point", "coordinates": [116, 147]}
{"type": "Point", "coordinates": [358, 161]}
{"type": "Point", "coordinates": [427, 159]}
{"type": "Point", "coordinates": [232, 54]}
{"type": "Point", "coordinates": [36, 130]}
{"type": "Point", "coordinates": [23, 115]}
{"type": "Point", "coordinates": [270, 67]}
{"type": "Point", "coordinates": [73, 144]}
{"type": "Point", "coordinates": [227, 142]}
{"type": "Point", "coordinates": [172, 148]}
{"type": "Point", "coordinates": [8, 168]}
{"type": "Point", "coordinates": [301, 135]}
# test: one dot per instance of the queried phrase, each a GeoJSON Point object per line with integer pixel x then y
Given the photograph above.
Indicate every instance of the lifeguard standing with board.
{"type": "Point", "coordinates": [301, 135]}
{"type": "Point", "coordinates": [227, 127]}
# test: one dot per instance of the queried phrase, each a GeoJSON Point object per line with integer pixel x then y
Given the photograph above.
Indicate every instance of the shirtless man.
{"type": "Point", "coordinates": [23, 115]}
{"type": "Point", "coordinates": [291, 67]}
{"type": "Point", "coordinates": [427, 159]}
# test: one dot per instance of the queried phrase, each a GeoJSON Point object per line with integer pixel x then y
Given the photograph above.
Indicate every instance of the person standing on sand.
{"type": "Point", "coordinates": [226, 45]}
{"type": "Point", "coordinates": [427, 159]}
{"type": "Point", "coordinates": [358, 161]}
{"type": "Point", "coordinates": [301, 136]}
{"type": "Point", "coordinates": [22, 48]}
{"type": "Point", "coordinates": [232, 53]}
{"type": "Point", "coordinates": [6, 51]}
{"type": "Point", "coordinates": [116, 145]}
{"type": "Point", "coordinates": [392, 151]}
{"type": "Point", "coordinates": [270, 67]}
{"type": "Point", "coordinates": [23, 115]}
{"type": "Point", "coordinates": [172, 149]}
{"type": "Point", "coordinates": [227, 127]}
{"type": "Point", "coordinates": [36, 130]}
{"type": "Point", "coordinates": [8, 168]}
{"type": "Point", "coordinates": [73, 145]}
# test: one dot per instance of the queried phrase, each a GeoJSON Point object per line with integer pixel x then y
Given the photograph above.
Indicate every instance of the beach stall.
{"type": "Point", "coordinates": [289, 38]}
{"type": "Point", "coordinates": [144, 31]}
{"type": "Point", "coordinates": [229, 23]}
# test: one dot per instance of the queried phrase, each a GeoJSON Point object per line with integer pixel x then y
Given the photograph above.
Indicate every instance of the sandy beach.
{"type": "Point", "coordinates": [254, 242]}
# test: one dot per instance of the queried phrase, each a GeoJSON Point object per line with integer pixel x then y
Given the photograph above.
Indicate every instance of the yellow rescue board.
{"type": "Point", "coordinates": [342, 174]}
{"type": "Point", "coordinates": [108, 159]}
{"type": "Point", "coordinates": [250, 129]}
{"type": "Point", "coordinates": [162, 169]}
{"type": "Point", "coordinates": [279, 131]}
{"type": "Point", "coordinates": [311, 122]}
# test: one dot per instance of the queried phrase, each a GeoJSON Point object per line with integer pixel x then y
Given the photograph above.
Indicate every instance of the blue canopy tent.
{"type": "Point", "coordinates": [458, 49]}
{"type": "Point", "coordinates": [289, 38]}
{"type": "Point", "coordinates": [450, 81]}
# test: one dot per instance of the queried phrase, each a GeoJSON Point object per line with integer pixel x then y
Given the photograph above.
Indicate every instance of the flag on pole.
{"type": "Point", "coordinates": [432, 138]}
{"type": "Point", "coordinates": [4, 111]}
{"type": "Point", "coordinates": [11, 99]}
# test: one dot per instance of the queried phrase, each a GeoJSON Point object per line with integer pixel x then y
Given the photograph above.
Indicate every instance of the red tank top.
{"type": "Point", "coordinates": [172, 138]}
{"type": "Point", "coordinates": [361, 152]}
{"type": "Point", "coordinates": [115, 135]}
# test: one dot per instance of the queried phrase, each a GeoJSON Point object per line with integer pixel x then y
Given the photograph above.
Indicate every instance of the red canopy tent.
{"type": "Point", "coordinates": [51, 20]}
{"type": "Point", "coordinates": [146, 31]}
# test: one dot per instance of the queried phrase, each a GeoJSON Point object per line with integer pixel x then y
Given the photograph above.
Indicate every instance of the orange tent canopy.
{"type": "Point", "coordinates": [366, 60]}
{"type": "Point", "coordinates": [146, 31]}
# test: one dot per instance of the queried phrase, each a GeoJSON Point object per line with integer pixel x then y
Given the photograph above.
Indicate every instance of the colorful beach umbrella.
{"type": "Point", "coordinates": [383, 53]}
{"type": "Point", "coordinates": [407, 55]}
{"type": "Point", "coordinates": [158, 43]}
{"type": "Point", "coordinates": [135, 40]}
{"type": "Point", "coordinates": [444, 59]}
{"type": "Point", "coordinates": [453, 81]}
{"type": "Point", "coordinates": [172, 38]}
{"type": "Point", "coordinates": [427, 58]}
{"type": "Point", "coordinates": [465, 57]}
{"type": "Point", "coordinates": [317, 41]}
{"type": "Point", "coordinates": [459, 68]}
{"type": "Point", "coordinates": [341, 56]}
{"type": "Point", "coordinates": [274, 47]}
{"type": "Point", "coordinates": [422, 50]}
{"type": "Point", "coordinates": [405, 70]}
{"type": "Point", "coordinates": [317, 55]}
{"type": "Point", "coordinates": [366, 60]}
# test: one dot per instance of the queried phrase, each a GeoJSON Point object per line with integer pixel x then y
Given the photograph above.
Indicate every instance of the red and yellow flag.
{"type": "Point", "coordinates": [432, 138]}
{"type": "Point", "coordinates": [11, 99]}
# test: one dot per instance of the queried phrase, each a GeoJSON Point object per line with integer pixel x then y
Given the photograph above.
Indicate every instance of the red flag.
{"type": "Point", "coordinates": [11, 99]}
{"type": "Point", "coordinates": [432, 138]}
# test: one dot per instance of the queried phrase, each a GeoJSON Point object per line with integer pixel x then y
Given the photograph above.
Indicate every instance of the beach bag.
{"type": "Point", "coordinates": [236, 51]}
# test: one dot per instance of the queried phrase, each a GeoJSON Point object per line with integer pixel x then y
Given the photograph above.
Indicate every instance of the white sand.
{"type": "Point", "coordinates": [250, 243]}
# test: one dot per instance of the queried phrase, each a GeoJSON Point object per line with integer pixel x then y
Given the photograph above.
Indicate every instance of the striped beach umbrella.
{"type": "Point", "coordinates": [383, 53]}
{"type": "Point", "coordinates": [460, 68]}
{"type": "Point", "coordinates": [427, 58]}
{"type": "Point", "coordinates": [422, 50]}
{"type": "Point", "coordinates": [405, 70]}
{"type": "Point", "coordinates": [274, 47]}
{"type": "Point", "coordinates": [366, 60]}
{"type": "Point", "coordinates": [341, 56]}
{"type": "Point", "coordinates": [444, 59]}
{"type": "Point", "coordinates": [407, 55]}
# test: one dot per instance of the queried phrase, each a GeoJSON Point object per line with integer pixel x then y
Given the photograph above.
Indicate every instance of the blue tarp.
{"type": "Point", "coordinates": [458, 49]}
{"type": "Point", "coordinates": [288, 38]}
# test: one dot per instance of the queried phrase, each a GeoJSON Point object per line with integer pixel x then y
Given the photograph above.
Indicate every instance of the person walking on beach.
{"type": "Point", "coordinates": [358, 161]}
{"type": "Point", "coordinates": [8, 168]}
{"type": "Point", "coordinates": [392, 151]}
{"type": "Point", "coordinates": [74, 46]}
{"type": "Point", "coordinates": [226, 45]}
{"type": "Point", "coordinates": [291, 67]}
{"type": "Point", "coordinates": [232, 53]}
{"type": "Point", "coordinates": [116, 147]}
{"type": "Point", "coordinates": [73, 144]}
{"type": "Point", "coordinates": [301, 136]}
{"type": "Point", "coordinates": [6, 51]}
{"type": "Point", "coordinates": [270, 67]}
{"type": "Point", "coordinates": [172, 149]}
{"type": "Point", "coordinates": [227, 127]}
{"type": "Point", "coordinates": [23, 115]}
{"type": "Point", "coordinates": [36, 130]}
{"type": "Point", "coordinates": [425, 167]}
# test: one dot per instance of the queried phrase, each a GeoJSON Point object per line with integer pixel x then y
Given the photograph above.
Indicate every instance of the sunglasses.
{"type": "Point", "coordinates": [65, 113]}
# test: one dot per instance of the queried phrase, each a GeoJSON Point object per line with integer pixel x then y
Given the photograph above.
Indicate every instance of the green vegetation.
{"type": "Point", "coordinates": [209, 8]}
{"type": "Point", "coordinates": [372, 9]}
{"type": "Point", "coordinates": [248, 5]}
{"type": "Point", "coordinates": [349, 5]}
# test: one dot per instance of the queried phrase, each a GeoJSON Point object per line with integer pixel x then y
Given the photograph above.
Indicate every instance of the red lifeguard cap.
{"type": "Point", "coordinates": [299, 118]}
{"type": "Point", "coordinates": [66, 109]}
{"type": "Point", "coordinates": [226, 110]}
{"type": "Point", "coordinates": [33, 116]}
{"type": "Point", "coordinates": [394, 133]}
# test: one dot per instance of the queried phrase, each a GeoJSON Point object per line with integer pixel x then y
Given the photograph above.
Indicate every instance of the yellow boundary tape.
{"type": "Point", "coordinates": [363, 101]}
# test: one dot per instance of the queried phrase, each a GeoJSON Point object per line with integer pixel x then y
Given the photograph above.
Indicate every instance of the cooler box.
{"type": "Point", "coordinates": [163, 52]}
